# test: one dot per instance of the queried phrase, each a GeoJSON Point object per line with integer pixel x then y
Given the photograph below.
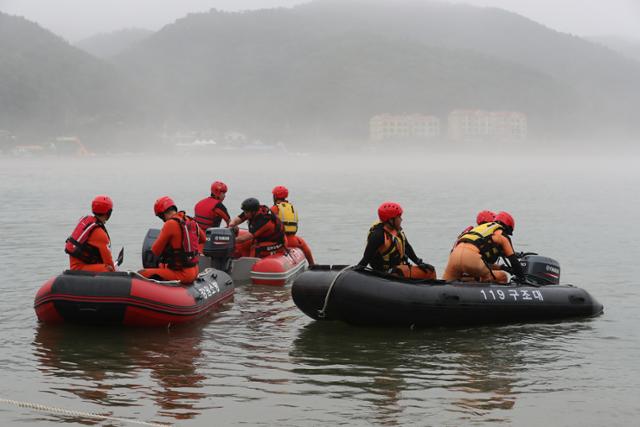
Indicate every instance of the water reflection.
{"type": "Point", "coordinates": [469, 373]}
{"type": "Point", "coordinates": [120, 368]}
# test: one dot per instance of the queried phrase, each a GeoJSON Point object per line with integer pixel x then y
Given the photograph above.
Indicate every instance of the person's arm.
{"type": "Point", "coordinates": [164, 239]}
{"type": "Point", "coordinates": [244, 237]}
{"type": "Point", "coordinates": [221, 213]}
{"type": "Point", "coordinates": [100, 240]}
{"type": "Point", "coordinates": [237, 220]}
{"type": "Point", "coordinates": [374, 241]}
{"type": "Point", "coordinates": [411, 254]}
{"type": "Point", "coordinates": [507, 251]}
{"type": "Point", "coordinates": [268, 227]}
{"type": "Point", "coordinates": [202, 236]}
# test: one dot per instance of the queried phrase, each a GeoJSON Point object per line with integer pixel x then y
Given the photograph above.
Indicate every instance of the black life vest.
{"type": "Point", "coordinates": [392, 252]}
{"type": "Point", "coordinates": [188, 254]}
{"type": "Point", "coordinates": [76, 245]}
{"type": "Point", "coordinates": [270, 242]}
{"type": "Point", "coordinates": [481, 237]}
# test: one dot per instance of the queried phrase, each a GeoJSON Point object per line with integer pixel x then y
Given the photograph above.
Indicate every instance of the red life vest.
{"type": "Point", "coordinates": [188, 254]}
{"type": "Point", "coordinates": [205, 213]}
{"type": "Point", "coordinates": [270, 242]}
{"type": "Point", "coordinates": [76, 245]}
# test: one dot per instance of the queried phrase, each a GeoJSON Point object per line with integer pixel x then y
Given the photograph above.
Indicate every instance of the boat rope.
{"type": "Point", "coordinates": [80, 414]}
{"type": "Point", "coordinates": [323, 312]}
{"type": "Point", "coordinates": [160, 282]}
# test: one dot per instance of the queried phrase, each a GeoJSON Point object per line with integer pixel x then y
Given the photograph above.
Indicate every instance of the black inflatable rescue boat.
{"type": "Point", "coordinates": [364, 297]}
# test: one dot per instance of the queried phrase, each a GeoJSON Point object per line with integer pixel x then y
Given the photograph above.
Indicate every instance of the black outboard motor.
{"type": "Point", "coordinates": [219, 247]}
{"type": "Point", "coordinates": [149, 260]}
{"type": "Point", "coordinates": [540, 270]}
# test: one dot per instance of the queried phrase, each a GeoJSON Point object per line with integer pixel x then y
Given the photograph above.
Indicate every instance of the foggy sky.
{"type": "Point", "coordinates": [77, 19]}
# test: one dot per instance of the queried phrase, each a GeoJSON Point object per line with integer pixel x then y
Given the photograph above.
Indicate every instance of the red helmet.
{"type": "Point", "coordinates": [505, 219]}
{"type": "Point", "coordinates": [280, 192]}
{"type": "Point", "coordinates": [162, 205]}
{"type": "Point", "coordinates": [389, 210]}
{"type": "Point", "coordinates": [218, 188]}
{"type": "Point", "coordinates": [484, 217]}
{"type": "Point", "coordinates": [101, 205]}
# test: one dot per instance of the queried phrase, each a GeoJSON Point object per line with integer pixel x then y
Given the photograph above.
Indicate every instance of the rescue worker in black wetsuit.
{"type": "Point", "coordinates": [388, 250]}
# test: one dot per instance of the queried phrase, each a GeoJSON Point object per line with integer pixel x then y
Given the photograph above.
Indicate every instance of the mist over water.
{"type": "Point", "coordinates": [261, 361]}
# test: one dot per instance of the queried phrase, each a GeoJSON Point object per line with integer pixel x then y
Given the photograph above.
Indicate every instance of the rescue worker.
{"type": "Point", "coordinates": [89, 244]}
{"type": "Point", "coordinates": [483, 217]}
{"type": "Point", "coordinates": [265, 229]}
{"type": "Point", "coordinates": [177, 245]}
{"type": "Point", "coordinates": [285, 211]}
{"type": "Point", "coordinates": [388, 250]}
{"type": "Point", "coordinates": [210, 211]}
{"type": "Point", "coordinates": [477, 251]}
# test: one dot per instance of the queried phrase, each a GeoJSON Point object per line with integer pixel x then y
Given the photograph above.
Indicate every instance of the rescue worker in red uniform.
{"type": "Point", "coordinates": [477, 251]}
{"type": "Point", "coordinates": [285, 211]}
{"type": "Point", "coordinates": [388, 250]}
{"type": "Point", "coordinates": [177, 246]}
{"type": "Point", "coordinates": [266, 231]}
{"type": "Point", "coordinates": [89, 244]}
{"type": "Point", "coordinates": [210, 212]}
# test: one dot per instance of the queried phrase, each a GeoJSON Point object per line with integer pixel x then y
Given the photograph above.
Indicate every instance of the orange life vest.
{"type": "Point", "coordinates": [76, 245]}
{"type": "Point", "coordinates": [188, 254]}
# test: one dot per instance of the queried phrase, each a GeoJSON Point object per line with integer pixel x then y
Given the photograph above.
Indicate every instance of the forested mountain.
{"type": "Point", "coordinates": [50, 87]}
{"type": "Point", "coordinates": [107, 45]}
{"type": "Point", "coordinates": [325, 67]}
{"type": "Point", "coordinates": [627, 47]}
{"type": "Point", "coordinates": [319, 71]}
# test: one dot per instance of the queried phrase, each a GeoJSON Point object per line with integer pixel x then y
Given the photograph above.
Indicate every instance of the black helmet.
{"type": "Point", "coordinates": [250, 205]}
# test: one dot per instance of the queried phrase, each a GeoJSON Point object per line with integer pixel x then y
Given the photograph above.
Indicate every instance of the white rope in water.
{"type": "Point", "coordinates": [322, 313]}
{"type": "Point", "coordinates": [80, 414]}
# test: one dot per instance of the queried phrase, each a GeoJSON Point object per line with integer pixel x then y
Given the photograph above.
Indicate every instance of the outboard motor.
{"type": "Point", "coordinates": [219, 247]}
{"type": "Point", "coordinates": [149, 260]}
{"type": "Point", "coordinates": [540, 270]}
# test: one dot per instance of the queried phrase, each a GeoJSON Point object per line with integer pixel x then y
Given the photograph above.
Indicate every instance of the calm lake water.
{"type": "Point", "coordinates": [260, 361]}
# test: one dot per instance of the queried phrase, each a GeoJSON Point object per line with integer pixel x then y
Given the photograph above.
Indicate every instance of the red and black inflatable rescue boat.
{"type": "Point", "coordinates": [125, 298]}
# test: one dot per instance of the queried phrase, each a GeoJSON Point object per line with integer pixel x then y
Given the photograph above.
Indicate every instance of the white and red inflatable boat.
{"type": "Point", "coordinates": [221, 252]}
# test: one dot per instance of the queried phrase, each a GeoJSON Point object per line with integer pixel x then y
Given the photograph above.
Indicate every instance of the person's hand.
{"type": "Point", "coordinates": [427, 268]}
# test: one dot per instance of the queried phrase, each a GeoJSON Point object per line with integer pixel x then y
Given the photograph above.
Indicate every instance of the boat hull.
{"type": "Point", "coordinates": [123, 298]}
{"type": "Point", "coordinates": [368, 299]}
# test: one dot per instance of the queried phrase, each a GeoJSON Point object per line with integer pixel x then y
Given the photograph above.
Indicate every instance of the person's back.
{"type": "Point", "coordinates": [268, 233]}
{"type": "Point", "coordinates": [288, 215]}
{"type": "Point", "coordinates": [210, 211]}
{"type": "Point", "coordinates": [177, 244]}
{"type": "Point", "coordinates": [477, 251]}
{"type": "Point", "coordinates": [88, 246]}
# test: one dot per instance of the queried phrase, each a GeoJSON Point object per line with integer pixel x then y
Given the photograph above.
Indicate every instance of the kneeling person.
{"type": "Point", "coordinates": [477, 250]}
{"type": "Point", "coordinates": [265, 229]}
{"type": "Point", "coordinates": [89, 244]}
{"type": "Point", "coordinates": [177, 245]}
{"type": "Point", "coordinates": [387, 248]}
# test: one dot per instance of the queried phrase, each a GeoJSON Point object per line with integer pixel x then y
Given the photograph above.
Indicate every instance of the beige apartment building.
{"type": "Point", "coordinates": [413, 127]}
{"type": "Point", "coordinates": [481, 125]}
